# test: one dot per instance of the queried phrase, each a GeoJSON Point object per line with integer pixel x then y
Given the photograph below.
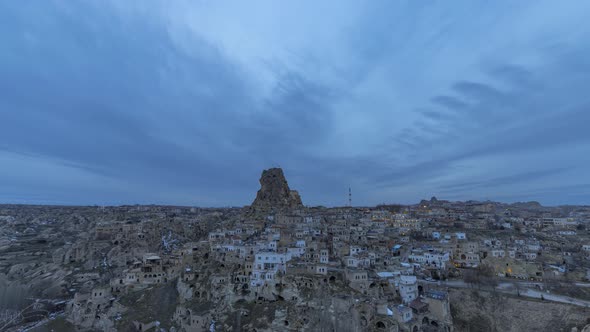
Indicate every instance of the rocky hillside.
{"type": "Point", "coordinates": [485, 311]}
{"type": "Point", "coordinates": [275, 193]}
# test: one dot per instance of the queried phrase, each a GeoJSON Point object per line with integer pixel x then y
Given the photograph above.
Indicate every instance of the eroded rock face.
{"type": "Point", "coordinates": [274, 193]}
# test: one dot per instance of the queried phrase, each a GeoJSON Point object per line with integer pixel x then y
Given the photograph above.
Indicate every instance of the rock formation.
{"type": "Point", "coordinates": [274, 193]}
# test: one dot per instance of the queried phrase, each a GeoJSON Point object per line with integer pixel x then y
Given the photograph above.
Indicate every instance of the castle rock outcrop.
{"type": "Point", "coordinates": [274, 193]}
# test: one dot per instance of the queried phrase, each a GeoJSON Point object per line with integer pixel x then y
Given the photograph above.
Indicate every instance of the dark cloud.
{"type": "Point", "coordinates": [122, 103]}
{"type": "Point", "coordinates": [500, 181]}
{"type": "Point", "coordinates": [450, 102]}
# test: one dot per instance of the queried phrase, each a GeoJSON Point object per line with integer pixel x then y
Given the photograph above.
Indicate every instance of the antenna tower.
{"type": "Point", "coordinates": [349, 197]}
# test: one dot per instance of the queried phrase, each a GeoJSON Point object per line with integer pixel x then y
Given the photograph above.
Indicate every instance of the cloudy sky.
{"type": "Point", "coordinates": [186, 102]}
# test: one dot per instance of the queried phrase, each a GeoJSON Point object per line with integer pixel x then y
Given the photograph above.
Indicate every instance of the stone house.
{"type": "Point", "coordinates": [408, 288]}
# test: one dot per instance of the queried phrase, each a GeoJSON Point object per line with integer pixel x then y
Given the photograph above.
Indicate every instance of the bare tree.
{"type": "Point", "coordinates": [470, 277]}
{"type": "Point", "coordinates": [483, 275]}
{"type": "Point", "coordinates": [487, 276]}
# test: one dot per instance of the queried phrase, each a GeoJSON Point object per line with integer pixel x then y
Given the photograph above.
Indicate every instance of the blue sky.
{"type": "Point", "coordinates": [186, 102]}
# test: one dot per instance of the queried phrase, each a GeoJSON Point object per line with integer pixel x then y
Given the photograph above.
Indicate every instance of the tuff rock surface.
{"type": "Point", "coordinates": [274, 193]}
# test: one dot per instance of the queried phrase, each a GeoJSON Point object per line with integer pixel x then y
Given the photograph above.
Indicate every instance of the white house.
{"type": "Point", "coordinates": [498, 253]}
{"type": "Point", "coordinates": [403, 314]}
{"type": "Point", "coordinates": [267, 265]}
{"type": "Point", "coordinates": [437, 258]}
{"type": "Point", "coordinates": [461, 236]}
{"type": "Point", "coordinates": [408, 288]}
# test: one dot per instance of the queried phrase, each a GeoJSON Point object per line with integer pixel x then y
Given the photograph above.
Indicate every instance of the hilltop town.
{"type": "Point", "coordinates": [278, 265]}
